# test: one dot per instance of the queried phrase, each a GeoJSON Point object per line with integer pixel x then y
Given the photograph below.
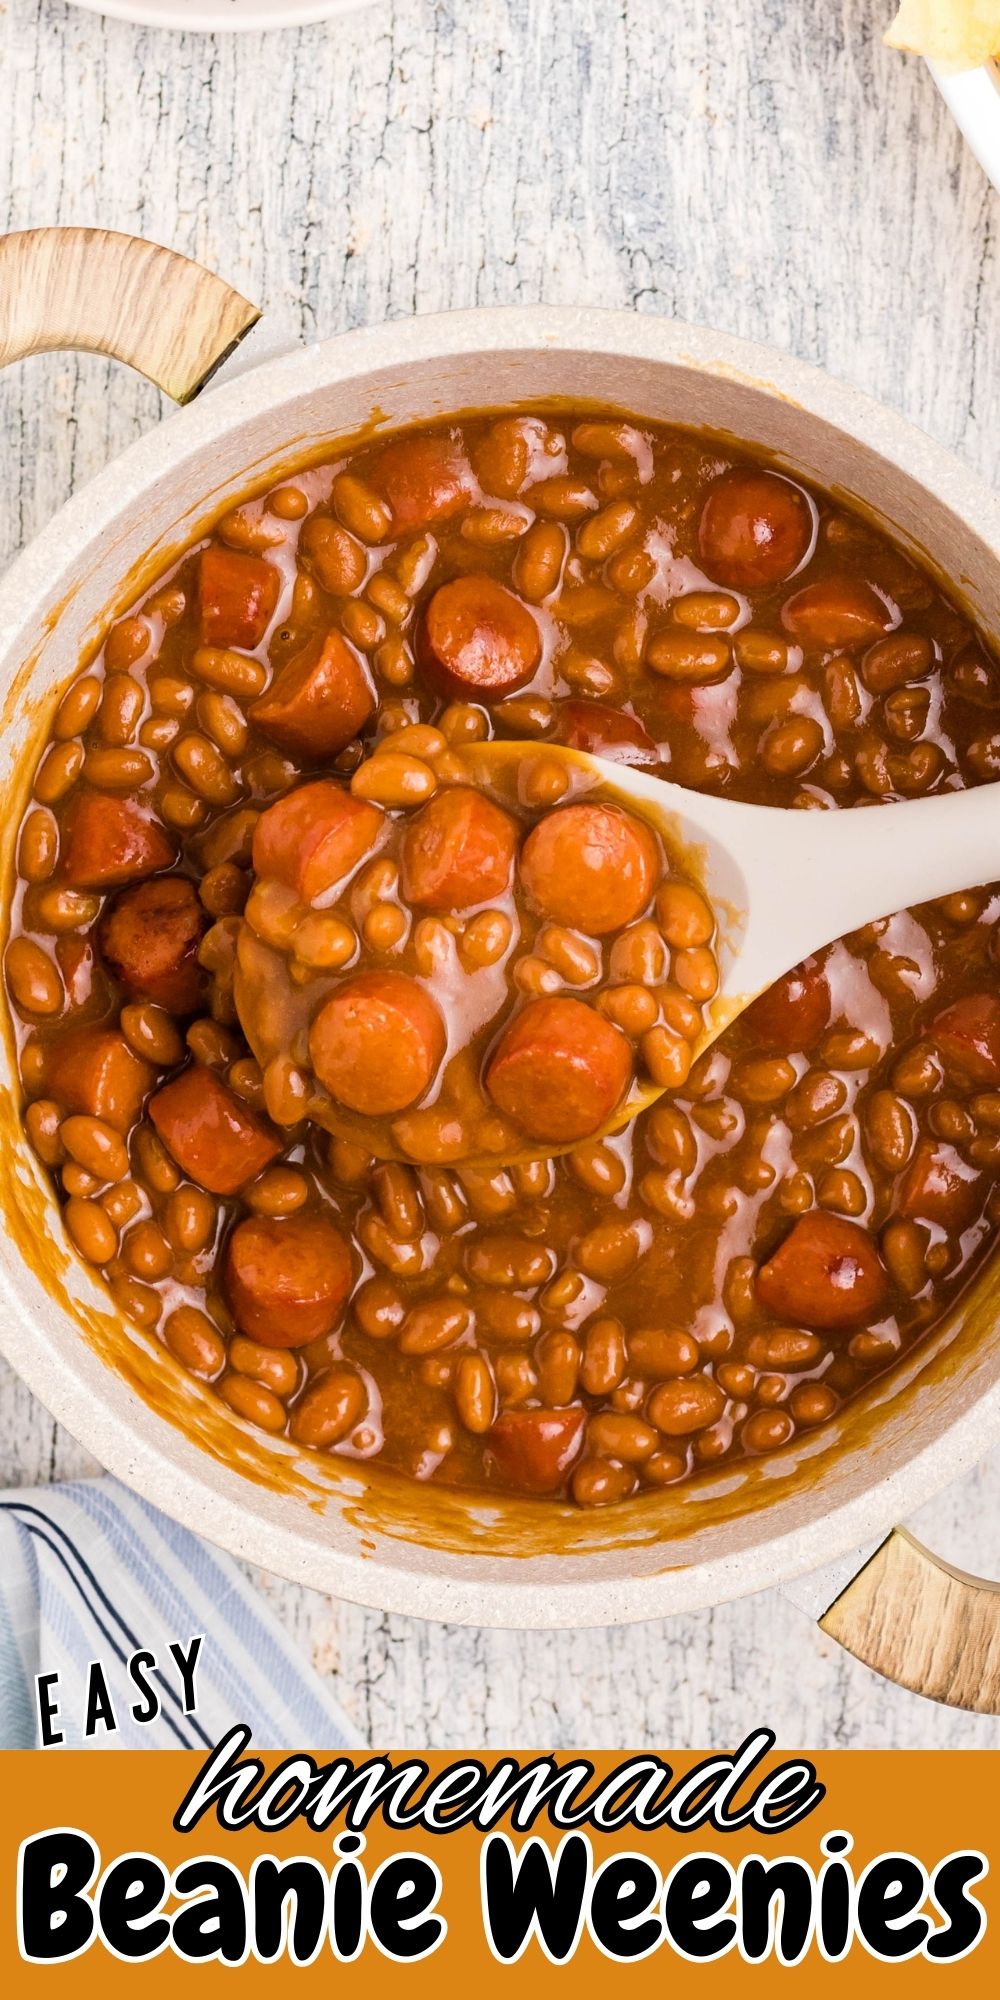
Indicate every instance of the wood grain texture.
{"type": "Point", "coordinates": [107, 293]}
{"type": "Point", "coordinates": [923, 1624]}
{"type": "Point", "coordinates": [765, 166]}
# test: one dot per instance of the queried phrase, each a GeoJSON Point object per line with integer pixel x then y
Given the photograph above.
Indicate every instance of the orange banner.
{"type": "Point", "coordinates": [827, 1872]}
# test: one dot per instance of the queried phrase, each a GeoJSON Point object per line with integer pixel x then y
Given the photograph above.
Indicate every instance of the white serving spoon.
{"type": "Point", "coordinates": [782, 882]}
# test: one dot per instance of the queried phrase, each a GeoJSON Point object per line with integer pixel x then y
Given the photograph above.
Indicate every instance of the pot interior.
{"type": "Point", "coordinates": [365, 1533]}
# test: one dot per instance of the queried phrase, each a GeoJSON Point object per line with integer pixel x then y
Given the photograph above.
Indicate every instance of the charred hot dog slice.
{"type": "Point", "coordinates": [559, 1070]}
{"type": "Point", "coordinates": [590, 866]}
{"type": "Point", "coordinates": [605, 732]}
{"type": "Point", "coordinates": [836, 611]}
{"type": "Point", "coordinates": [827, 1273]}
{"type": "Point", "coordinates": [793, 1013]}
{"type": "Point", "coordinates": [458, 851]}
{"type": "Point", "coordinates": [150, 940]}
{"type": "Point", "coordinates": [755, 529]}
{"type": "Point", "coordinates": [213, 1136]}
{"type": "Point", "coordinates": [93, 1070]}
{"type": "Point", "coordinates": [110, 841]}
{"type": "Point", "coordinates": [237, 595]}
{"type": "Point", "coordinates": [377, 1042]}
{"type": "Point", "coordinates": [478, 642]}
{"type": "Point", "coordinates": [319, 701]}
{"type": "Point", "coordinates": [287, 1281]}
{"type": "Point", "coordinates": [534, 1449]}
{"type": "Point", "coordinates": [968, 1036]}
{"type": "Point", "coordinates": [313, 838]}
{"type": "Point", "coordinates": [939, 1186]}
{"type": "Point", "coordinates": [424, 479]}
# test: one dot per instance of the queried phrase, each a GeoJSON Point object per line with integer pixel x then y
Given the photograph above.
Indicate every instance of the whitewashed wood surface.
{"type": "Point", "coordinates": [763, 165]}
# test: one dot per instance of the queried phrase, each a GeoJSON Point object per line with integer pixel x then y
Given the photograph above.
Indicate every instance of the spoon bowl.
{"type": "Point", "coordinates": [782, 882]}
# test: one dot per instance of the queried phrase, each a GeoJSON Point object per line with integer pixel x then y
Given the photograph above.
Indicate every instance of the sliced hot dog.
{"type": "Point", "coordinates": [559, 1070]}
{"type": "Point", "coordinates": [458, 850]}
{"type": "Point", "coordinates": [605, 732]}
{"type": "Point", "coordinates": [377, 1042]}
{"type": "Point", "coordinates": [590, 866]}
{"type": "Point", "coordinates": [319, 701]}
{"type": "Point", "coordinates": [109, 841]}
{"type": "Point", "coordinates": [237, 595]}
{"type": "Point", "coordinates": [424, 479]}
{"type": "Point", "coordinates": [213, 1136]}
{"type": "Point", "coordinates": [793, 1013]}
{"type": "Point", "coordinates": [968, 1036]}
{"type": "Point", "coordinates": [150, 940]}
{"type": "Point", "coordinates": [826, 1273]}
{"type": "Point", "coordinates": [836, 611]}
{"type": "Point", "coordinates": [755, 528]}
{"type": "Point", "coordinates": [287, 1281]}
{"type": "Point", "coordinates": [314, 837]}
{"type": "Point", "coordinates": [534, 1449]}
{"type": "Point", "coordinates": [94, 1070]}
{"type": "Point", "coordinates": [939, 1186]}
{"type": "Point", "coordinates": [477, 642]}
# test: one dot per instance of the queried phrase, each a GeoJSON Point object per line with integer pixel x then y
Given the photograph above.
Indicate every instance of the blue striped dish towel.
{"type": "Point", "coordinates": [89, 1572]}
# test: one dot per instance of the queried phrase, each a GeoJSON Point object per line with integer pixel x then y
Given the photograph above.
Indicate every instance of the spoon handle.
{"type": "Point", "coordinates": [815, 876]}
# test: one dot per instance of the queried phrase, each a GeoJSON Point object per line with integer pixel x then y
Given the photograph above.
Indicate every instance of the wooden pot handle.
{"type": "Point", "coordinates": [923, 1624]}
{"type": "Point", "coordinates": [117, 295]}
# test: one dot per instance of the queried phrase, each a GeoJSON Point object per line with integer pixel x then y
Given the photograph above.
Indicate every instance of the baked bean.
{"type": "Point", "coordinates": [92, 1230]}
{"type": "Point", "coordinates": [147, 1252]}
{"type": "Point", "coordinates": [95, 1146]}
{"type": "Point", "coordinates": [766, 1430]}
{"type": "Point", "coordinates": [43, 1120]}
{"type": "Point", "coordinates": [624, 1438]}
{"type": "Point", "coordinates": [682, 656]}
{"type": "Point", "coordinates": [122, 704]}
{"type": "Point", "coordinates": [58, 771]}
{"type": "Point", "coordinates": [558, 1363]}
{"type": "Point", "coordinates": [680, 1407]}
{"type": "Point", "coordinates": [793, 746]}
{"type": "Point", "coordinates": [906, 656]}
{"type": "Point", "coordinates": [812, 1403]}
{"type": "Point", "coordinates": [336, 557]}
{"type": "Point", "coordinates": [683, 915]}
{"type": "Point", "coordinates": [253, 1402]}
{"type": "Point", "coordinates": [761, 652]}
{"type": "Point", "coordinates": [227, 672]}
{"type": "Point", "coordinates": [189, 1219]}
{"type": "Point", "coordinates": [66, 909]}
{"type": "Point", "coordinates": [38, 847]}
{"type": "Point", "coordinates": [667, 1057]}
{"type": "Point", "coordinates": [379, 1308]}
{"type": "Point", "coordinates": [598, 1483]}
{"type": "Point", "coordinates": [150, 1031]}
{"type": "Point", "coordinates": [394, 780]}
{"type": "Point", "coordinates": [329, 1409]}
{"type": "Point", "coordinates": [475, 1393]}
{"type": "Point", "coordinates": [706, 611]}
{"type": "Point", "coordinates": [275, 1367]}
{"type": "Point", "coordinates": [203, 767]}
{"type": "Point", "coordinates": [889, 1128]}
{"type": "Point", "coordinates": [77, 707]}
{"type": "Point", "coordinates": [33, 980]}
{"type": "Point", "coordinates": [658, 1352]}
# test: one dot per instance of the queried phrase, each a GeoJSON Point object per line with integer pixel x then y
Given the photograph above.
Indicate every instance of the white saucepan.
{"type": "Point", "coordinates": [367, 1535]}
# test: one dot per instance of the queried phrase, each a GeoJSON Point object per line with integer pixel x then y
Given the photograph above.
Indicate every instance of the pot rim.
{"type": "Point", "coordinates": [219, 1502]}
